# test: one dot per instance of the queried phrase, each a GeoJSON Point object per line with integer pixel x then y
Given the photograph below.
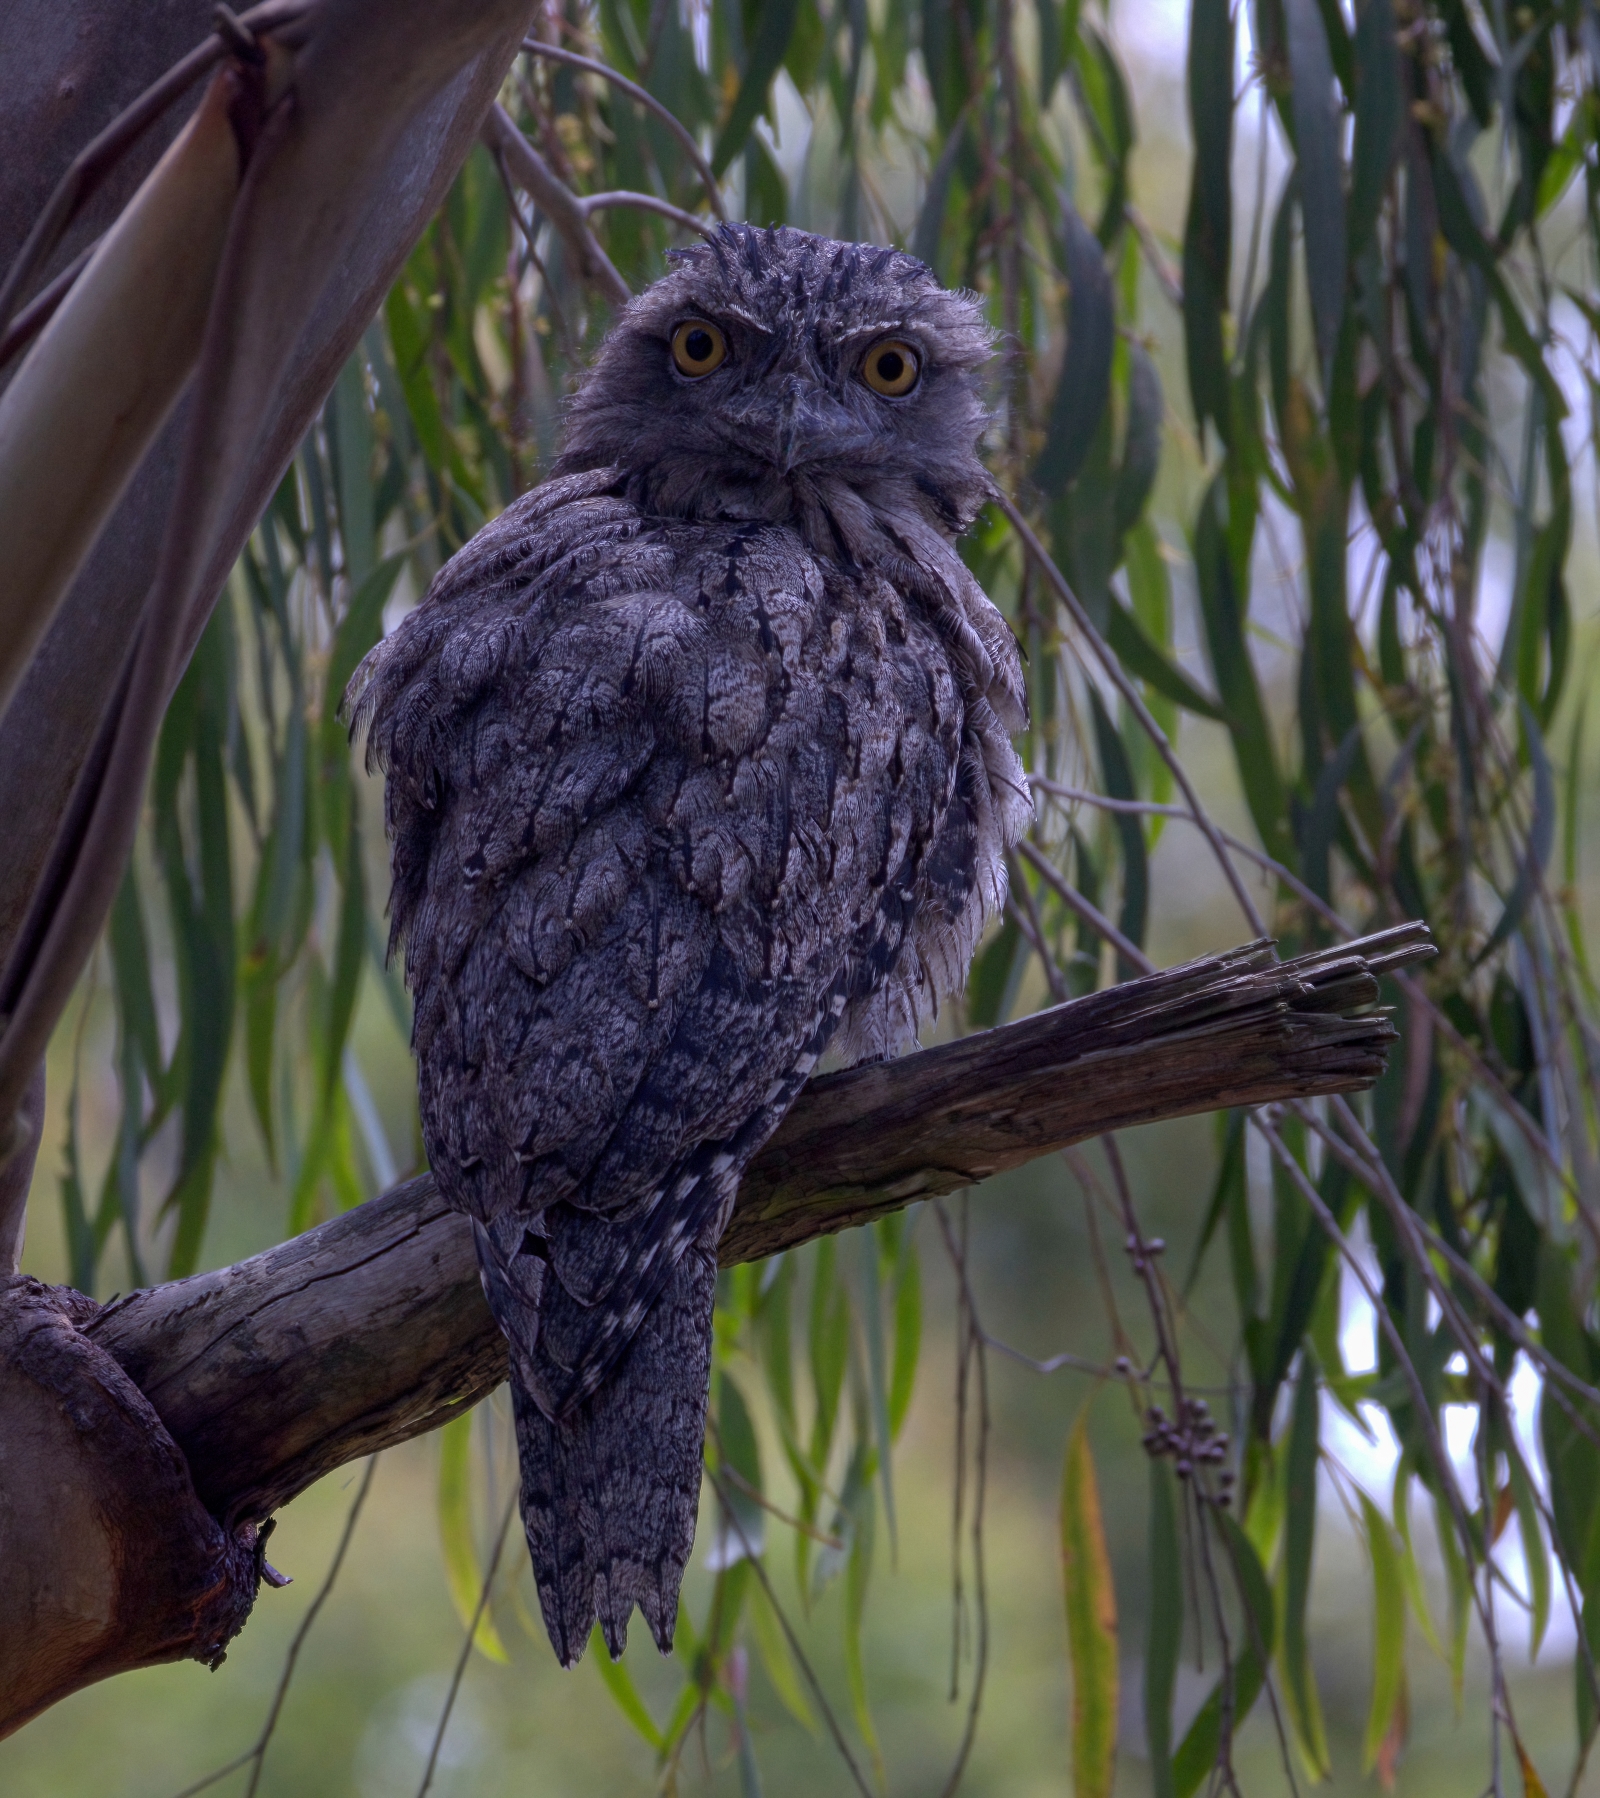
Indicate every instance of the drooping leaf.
{"type": "Point", "coordinates": [1222, 611]}
{"type": "Point", "coordinates": [1058, 30]}
{"type": "Point", "coordinates": [1541, 837]}
{"type": "Point", "coordinates": [742, 1530]}
{"type": "Point", "coordinates": [778, 1658]}
{"type": "Point", "coordinates": [1141, 449]}
{"type": "Point", "coordinates": [858, 1518]}
{"type": "Point", "coordinates": [930, 219]}
{"type": "Point", "coordinates": [624, 1693]}
{"type": "Point", "coordinates": [1197, 1753]}
{"type": "Point", "coordinates": [360, 628]}
{"type": "Point", "coordinates": [463, 1573]}
{"type": "Point", "coordinates": [1380, 118]}
{"type": "Point", "coordinates": [768, 48]}
{"type": "Point", "coordinates": [1108, 112]}
{"type": "Point", "coordinates": [1091, 1620]}
{"type": "Point", "coordinates": [1141, 657]}
{"type": "Point", "coordinates": [1535, 1555]}
{"type": "Point", "coordinates": [1208, 230]}
{"type": "Point", "coordinates": [1318, 126]}
{"type": "Point", "coordinates": [1117, 777]}
{"type": "Point", "coordinates": [993, 979]}
{"type": "Point", "coordinates": [907, 1335]}
{"type": "Point", "coordinates": [200, 905]}
{"type": "Point", "coordinates": [1300, 1522]}
{"type": "Point", "coordinates": [877, 1374]}
{"type": "Point", "coordinates": [1388, 1630]}
{"type": "Point", "coordinates": [1084, 390]}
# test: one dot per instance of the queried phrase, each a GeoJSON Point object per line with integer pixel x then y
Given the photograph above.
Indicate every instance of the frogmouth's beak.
{"type": "Point", "coordinates": [811, 426]}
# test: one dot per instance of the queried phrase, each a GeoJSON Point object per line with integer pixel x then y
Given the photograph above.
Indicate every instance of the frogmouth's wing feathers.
{"type": "Point", "coordinates": [661, 795]}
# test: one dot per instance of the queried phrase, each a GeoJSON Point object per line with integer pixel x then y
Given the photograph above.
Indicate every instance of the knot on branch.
{"type": "Point", "coordinates": [108, 1559]}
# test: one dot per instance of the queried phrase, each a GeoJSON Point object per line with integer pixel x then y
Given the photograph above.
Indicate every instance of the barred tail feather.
{"type": "Point", "coordinates": [611, 1490]}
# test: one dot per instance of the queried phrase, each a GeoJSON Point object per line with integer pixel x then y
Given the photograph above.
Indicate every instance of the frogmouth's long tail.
{"type": "Point", "coordinates": [611, 1484]}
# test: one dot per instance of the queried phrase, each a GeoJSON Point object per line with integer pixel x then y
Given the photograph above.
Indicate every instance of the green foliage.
{"type": "Point", "coordinates": [1371, 351]}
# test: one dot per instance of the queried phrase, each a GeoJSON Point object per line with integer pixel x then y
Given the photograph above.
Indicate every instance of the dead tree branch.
{"type": "Point", "coordinates": [249, 1383]}
{"type": "Point", "coordinates": [372, 1328]}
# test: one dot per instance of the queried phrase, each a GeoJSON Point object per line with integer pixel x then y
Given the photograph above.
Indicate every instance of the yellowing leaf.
{"type": "Point", "coordinates": [1091, 1621]}
{"type": "Point", "coordinates": [1393, 1745]}
{"type": "Point", "coordinates": [1532, 1784]}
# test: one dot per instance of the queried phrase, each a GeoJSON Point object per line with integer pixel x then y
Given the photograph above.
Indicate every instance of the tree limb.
{"type": "Point", "coordinates": [563, 208]}
{"type": "Point", "coordinates": [371, 1328]}
{"type": "Point", "coordinates": [185, 1415]}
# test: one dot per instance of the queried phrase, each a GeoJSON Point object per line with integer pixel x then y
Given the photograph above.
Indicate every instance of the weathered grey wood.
{"type": "Point", "coordinates": [108, 1560]}
{"type": "Point", "coordinates": [372, 1328]}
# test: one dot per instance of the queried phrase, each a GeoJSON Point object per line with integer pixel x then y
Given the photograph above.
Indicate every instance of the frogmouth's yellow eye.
{"type": "Point", "coordinates": [891, 368]}
{"type": "Point", "coordinates": [698, 347]}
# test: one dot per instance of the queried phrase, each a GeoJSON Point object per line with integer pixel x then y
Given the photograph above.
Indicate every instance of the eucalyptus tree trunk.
{"type": "Point", "coordinates": [114, 1562]}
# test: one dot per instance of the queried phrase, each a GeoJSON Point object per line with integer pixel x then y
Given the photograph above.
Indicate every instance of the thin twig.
{"type": "Point", "coordinates": [1052, 1363]}
{"type": "Point", "coordinates": [556, 201]}
{"type": "Point", "coordinates": [758, 1498]}
{"type": "Point", "coordinates": [645, 203]}
{"type": "Point", "coordinates": [1130, 694]}
{"type": "Point", "coordinates": [958, 1484]}
{"type": "Point", "coordinates": [1156, 257]}
{"type": "Point", "coordinates": [1408, 983]}
{"type": "Point", "coordinates": [1089, 1186]}
{"type": "Point", "coordinates": [466, 1646]}
{"type": "Point", "coordinates": [529, 230]}
{"type": "Point", "coordinates": [1032, 927]}
{"type": "Point", "coordinates": [1425, 1417]}
{"type": "Point", "coordinates": [1091, 914]}
{"type": "Point", "coordinates": [971, 1353]}
{"type": "Point", "coordinates": [551, 53]}
{"type": "Point", "coordinates": [1367, 1164]}
{"type": "Point", "coordinates": [258, 1753]}
{"type": "Point", "coordinates": [790, 1637]}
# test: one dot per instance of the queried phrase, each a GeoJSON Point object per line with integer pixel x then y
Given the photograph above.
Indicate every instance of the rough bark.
{"type": "Point", "coordinates": [108, 1560]}
{"type": "Point", "coordinates": [372, 1328]}
{"type": "Point", "coordinates": [176, 1420]}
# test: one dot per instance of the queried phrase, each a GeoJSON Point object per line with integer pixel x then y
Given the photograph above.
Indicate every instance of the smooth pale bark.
{"type": "Point", "coordinates": [320, 181]}
{"type": "Point", "coordinates": [108, 1558]}
{"type": "Point", "coordinates": [69, 71]}
{"type": "Point", "coordinates": [97, 385]}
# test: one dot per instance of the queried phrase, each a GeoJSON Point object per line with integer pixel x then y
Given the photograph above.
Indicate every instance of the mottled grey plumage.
{"type": "Point", "coordinates": [698, 761]}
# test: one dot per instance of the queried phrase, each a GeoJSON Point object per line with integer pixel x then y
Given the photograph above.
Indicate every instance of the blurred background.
{"type": "Point", "coordinates": [1192, 409]}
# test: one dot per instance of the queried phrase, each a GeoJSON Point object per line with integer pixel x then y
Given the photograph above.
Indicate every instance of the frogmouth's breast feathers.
{"type": "Point", "coordinates": [667, 798]}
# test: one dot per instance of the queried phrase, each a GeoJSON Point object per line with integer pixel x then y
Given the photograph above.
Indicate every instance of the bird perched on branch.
{"type": "Point", "coordinates": [698, 763]}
